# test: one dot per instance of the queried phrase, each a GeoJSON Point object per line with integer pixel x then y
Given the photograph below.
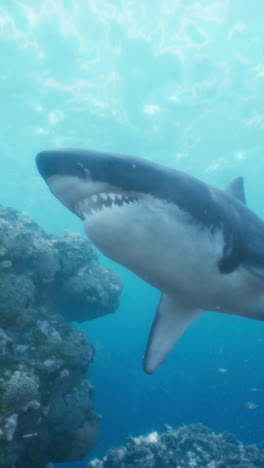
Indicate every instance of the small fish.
{"type": "Point", "coordinates": [27, 436]}
{"type": "Point", "coordinates": [251, 405]}
{"type": "Point", "coordinates": [223, 370]}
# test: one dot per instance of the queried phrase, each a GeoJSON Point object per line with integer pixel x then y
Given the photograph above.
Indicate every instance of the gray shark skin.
{"type": "Point", "coordinates": [201, 246]}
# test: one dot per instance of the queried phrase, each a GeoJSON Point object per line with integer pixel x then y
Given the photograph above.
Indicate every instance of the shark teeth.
{"type": "Point", "coordinates": [99, 201]}
{"type": "Point", "coordinates": [94, 198]}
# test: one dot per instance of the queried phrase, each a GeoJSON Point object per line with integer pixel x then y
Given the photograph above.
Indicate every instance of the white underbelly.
{"type": "Point", "coordinates": [195, 276]}
{"type": "Point", "coordinates": [177, 256]}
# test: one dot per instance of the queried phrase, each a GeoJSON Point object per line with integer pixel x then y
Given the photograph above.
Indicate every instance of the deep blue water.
{"type": "Point", "coordinates": [178, 82]}
{"type": "Point", "coordinates": [189, 386]}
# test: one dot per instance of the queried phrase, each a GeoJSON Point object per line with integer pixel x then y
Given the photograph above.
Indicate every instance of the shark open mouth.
{"type": "Point", "coordinates": [99, 201]}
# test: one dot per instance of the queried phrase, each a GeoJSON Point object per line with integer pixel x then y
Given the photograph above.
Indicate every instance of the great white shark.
{"type": "Point", "coordinates": [199, 245]}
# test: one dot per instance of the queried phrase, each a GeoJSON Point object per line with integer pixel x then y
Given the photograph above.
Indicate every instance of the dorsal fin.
{"type": "Point", "coordinates": [236, 189]}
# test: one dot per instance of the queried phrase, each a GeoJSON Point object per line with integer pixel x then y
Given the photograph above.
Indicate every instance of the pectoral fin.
{"type": "Point", "coordinates": [172, 319]}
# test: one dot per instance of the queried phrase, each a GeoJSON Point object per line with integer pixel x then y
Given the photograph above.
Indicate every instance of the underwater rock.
{"type": "Point", "coordinates": [19, 390]}
{"type": "Point", "coordinates": [46, 410]}
{"type": "Point", "coordinates": [187, 447]}
{"type": "Point", "coordinates": [60, 273]}
{"type": "Point", "coordinates": [45, 393]}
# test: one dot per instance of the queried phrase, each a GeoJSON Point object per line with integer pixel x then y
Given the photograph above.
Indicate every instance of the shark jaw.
{"type": "Point", "coordinates": [86, 198]}
{"type": "Point", "coordinates": [132, 228]}
{"type": "Point", "coordinates": [202, 247]}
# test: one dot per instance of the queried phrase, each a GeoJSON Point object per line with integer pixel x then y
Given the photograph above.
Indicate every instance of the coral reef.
{"type": "Point", "coordinates": [187, 447]}
{"type": "Point", "coordinates": [62, 273]}
{"type": "Point", "coordinates": [46, 412]}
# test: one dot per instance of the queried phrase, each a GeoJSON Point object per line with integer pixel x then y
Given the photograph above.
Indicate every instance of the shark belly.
{"type": "Point", "coordinates": [177, 256]}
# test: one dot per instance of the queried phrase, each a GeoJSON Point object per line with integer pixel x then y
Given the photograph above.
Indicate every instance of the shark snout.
{"type": "Point", "coordinates": [63, 163]}
{"type": "Point", "coordinates": [81, 180]}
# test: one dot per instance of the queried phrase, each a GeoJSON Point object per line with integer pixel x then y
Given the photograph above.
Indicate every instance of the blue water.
{"type": "Point", "coordinates": [178, 82]}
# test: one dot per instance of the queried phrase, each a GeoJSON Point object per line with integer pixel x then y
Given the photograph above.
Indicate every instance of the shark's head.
{"type": "Point", "coordinates": [112, 194]}
{"type": "Point", "coordinates": [89, 182]}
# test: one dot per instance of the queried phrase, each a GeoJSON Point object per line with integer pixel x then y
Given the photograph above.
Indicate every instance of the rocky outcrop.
{"type": "Point", "coordinates": [46, 397]}
{"type": "Point", "coordinates": [187, 447]}
{"type": "Point", "coordinates": [60, 273]}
